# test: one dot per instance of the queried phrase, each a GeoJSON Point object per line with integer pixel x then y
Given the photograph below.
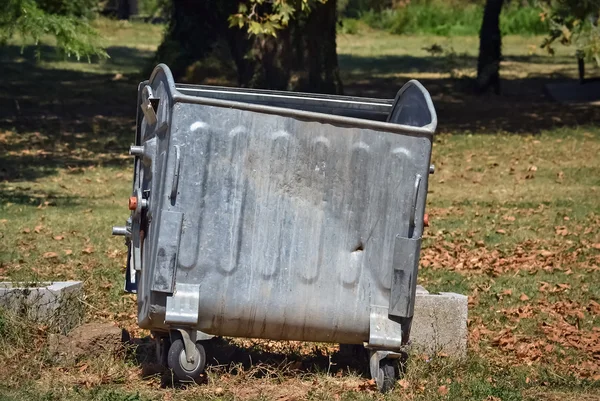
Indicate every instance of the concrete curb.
{"type": "Point", "coordinates": [55, 304]}
{"type": "Point", "coordinates": [440, 323]}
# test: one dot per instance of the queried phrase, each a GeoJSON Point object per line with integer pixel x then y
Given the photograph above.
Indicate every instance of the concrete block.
{"type": "Point", "coordinates": [440, 323]}
{"type": "Point", "coordinates": [55, 304]}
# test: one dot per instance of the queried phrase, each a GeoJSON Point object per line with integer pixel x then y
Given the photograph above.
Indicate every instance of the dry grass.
{"type": "Point", "coordinates": [515, 224]}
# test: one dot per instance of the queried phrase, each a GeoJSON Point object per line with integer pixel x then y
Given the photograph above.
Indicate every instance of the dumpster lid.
{"type": "Point", "coordinates": [411, 112]}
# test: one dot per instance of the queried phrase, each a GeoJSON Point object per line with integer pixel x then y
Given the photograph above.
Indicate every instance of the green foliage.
{"type": "Point", "coordinates": [573, 22]}
{"type": "Point", "coordinates": [447, 19]}
{"type": "Point", "coordinates": [263, 17]}
{"type": "Point", "coordinates": [349, 26]}
{"type": "Point", "coordinates": [153, 7]}
{"type": "Point", "coordinates": [76, 8]}
{"type": "Point", "coordinates": [74, 36]}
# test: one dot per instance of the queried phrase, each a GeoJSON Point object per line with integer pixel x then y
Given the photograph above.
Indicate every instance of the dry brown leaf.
{"type": "Point", "coordinates": [88, 250]}
{"type": "Point", "coordinates": [524, 297]}
{"type": "Point", "coordinates": [83, 367]}
{"type": "Point", "coordinates": [68, 252]}
{"type": "Point", "coordinates": [404, 384]}
{"type": "Point", "coordinates": [59, 237]}
{"type": "Point", "coordinates": [37, 229]}
{"type": "Point", "coordinates": [501, 231]}
{"type": "Point", "coordinates": [50, 255]}
{"type": "Point", "coordinates": [443, 390]}
{"type": "Point", "coordinates": [26, 230]}
{"type": "Point", "coordinates": [596, 246]}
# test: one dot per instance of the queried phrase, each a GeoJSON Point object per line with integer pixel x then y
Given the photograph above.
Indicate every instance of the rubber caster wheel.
{"type": "Point", "coordinates": [184, 370]}
{"type": "Point", "coordinates": [388, 374]}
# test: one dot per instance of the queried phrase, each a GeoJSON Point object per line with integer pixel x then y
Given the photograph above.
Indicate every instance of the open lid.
{"type": "Point", "coordinates": [413, 106]}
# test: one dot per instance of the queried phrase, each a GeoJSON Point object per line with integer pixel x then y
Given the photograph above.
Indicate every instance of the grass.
{"type": "Point", "coordinates": [515, 224]}
{"type": "Point", "coordinates": [447, 19]}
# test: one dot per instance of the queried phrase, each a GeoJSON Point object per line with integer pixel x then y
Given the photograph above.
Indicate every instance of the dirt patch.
{"type": "Point", "coordinates": [88, 340]}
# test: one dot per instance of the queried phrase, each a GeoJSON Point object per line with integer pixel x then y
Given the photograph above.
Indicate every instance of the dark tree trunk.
{"type": "Point", "coordinates": [302, 57]}
{"type": "Point", "coordinates": [196, 29]}
{"type": "Point", "coordinates": [321, 54]}
{"type": "Point", "coordinates": [126, 8]}
{"type": "Point", "coordinates": [490, 44]}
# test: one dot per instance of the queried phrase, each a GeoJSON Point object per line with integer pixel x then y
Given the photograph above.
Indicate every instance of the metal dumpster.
{"type": "Point", "coordinates": [277, 215]}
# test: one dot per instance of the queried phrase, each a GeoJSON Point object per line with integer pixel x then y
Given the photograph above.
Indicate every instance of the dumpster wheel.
{"type": "Point", "coordinates": [387, 369]}
{"type": "Point", "coordinates": [186, 370]}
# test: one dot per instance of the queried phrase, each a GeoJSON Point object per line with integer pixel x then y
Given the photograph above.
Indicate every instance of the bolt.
{"type": "Point", "coordinates": [119, 231]}
{"type": "Point", "coordinates": [431, 169]}
{"type": "Point", "coordinates": [136, 150]}
{"type": "Point", "coordinates": [133, 202]}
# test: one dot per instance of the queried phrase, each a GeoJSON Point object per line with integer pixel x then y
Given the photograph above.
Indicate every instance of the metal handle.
{"type": "Point", "coordinates": [413, 209]}
{"type": "Point", "coordinates": [175, 183]}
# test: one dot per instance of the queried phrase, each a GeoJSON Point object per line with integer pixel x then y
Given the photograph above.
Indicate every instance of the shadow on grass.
{"type": "Point", "coordinates": [25, 196]}
{"type": "Point", "coordinates": [58, 118]}
{"type": "Point", "coordinates": [224, 356]}
{"type": "Point", "coordinates": [523, 107]}
{"type": "Point", "coordinates": [52, 118]}
{"type": "Point", "coordinates": [358, 65]}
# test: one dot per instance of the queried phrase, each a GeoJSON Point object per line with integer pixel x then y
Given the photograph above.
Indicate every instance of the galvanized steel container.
{"type": "Point", "coordinates": [278, 215]}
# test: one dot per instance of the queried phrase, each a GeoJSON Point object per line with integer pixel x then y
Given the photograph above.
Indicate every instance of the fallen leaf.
{"type": "Point", "coordinates": [404, 384]}
{"type": "Point", "coordinates": [88, 250]}
{"type": "Point", "coordinates": [50, 255]}
{"type": "Point", "coordinates": [532, 168]}
{"type": "Point", "coordinates": [68, 252]}
{"type": "Point", "coordinates": [501, 231]}
{"type": "Point", "coordinates": [83, 367]}
{"type": "Point", "coordinates": [37, 229]}
{"type": "Point", "coordinates": [561, 230]}
{"type": "Point", "coordinates": [59, 237]}
{"type": "Point", "coordinates": [443, 390]}
{"type": "Point", "coordinates": [26, 230]}
{"type": "Point", "coordinates": [524, 297]}
{"type": "Point", "coordinates": [596, 246]}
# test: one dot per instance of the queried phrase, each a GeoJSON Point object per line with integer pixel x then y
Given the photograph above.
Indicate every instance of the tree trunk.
{"type": "Point", "coordinates": [126, 8]}
{"type": "Point", "coordinates": [302, 57]}
{"type": "Point", "coordinates": [490, 44]}
{"type": "Point", "coordinates": [196, 29]}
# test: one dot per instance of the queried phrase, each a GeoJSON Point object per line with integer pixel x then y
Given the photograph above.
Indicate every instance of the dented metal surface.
{"type": "Point", "coordinates": [266, 217]}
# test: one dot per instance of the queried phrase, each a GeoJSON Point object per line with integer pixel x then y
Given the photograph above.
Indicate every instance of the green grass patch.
{"type": "Point", "coordinates": [446, 19]}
